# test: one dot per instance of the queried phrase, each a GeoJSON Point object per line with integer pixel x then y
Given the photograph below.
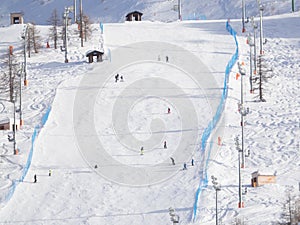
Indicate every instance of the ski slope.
{"type": "Point", "coordinates": [87, 121]}
{"type": "Point", "coordinates": [56, 147]}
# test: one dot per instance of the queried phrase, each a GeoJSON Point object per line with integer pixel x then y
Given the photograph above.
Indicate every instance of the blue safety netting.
{"type": "Point", "coordinates": [212, 124]}
{"type": "Point", "coordinates": [35, 133]}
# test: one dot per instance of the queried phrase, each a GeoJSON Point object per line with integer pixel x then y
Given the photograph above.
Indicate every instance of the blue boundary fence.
{"type": "Point", "coordinates": [212, 124]}
{"type": "Point", "coordinates": [29, 159]}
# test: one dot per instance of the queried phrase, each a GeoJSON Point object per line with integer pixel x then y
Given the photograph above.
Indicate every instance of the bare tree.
{"type": "Point", "coordinates": [36, 39]}
{"type": "Point", "coordinates": [4, 82]}
{"type": "Point", "coordinates": [297, 210]}
{"type": "Point", "coordinates": [11, 75]}
{"type": "Point", "coordinates": [33, 40]}
{"type": "Point", "coordinates": [238, 221]}
{"type": "Point", "coordinates": [291, 211]}
{"type": "Point", "coordinates": [8, 83]}
{"type": "Point", "coordinates": [55, 22]}
{"type": "Point", "coordinates": [29, 42]}
{"type": "Point", "coordinates": [87, 30]}
{"type": "Point", "coordinates": [262, 77]}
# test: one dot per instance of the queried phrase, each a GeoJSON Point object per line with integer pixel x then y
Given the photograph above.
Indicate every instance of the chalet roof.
{"type": "Point", "coordinates": [17, 13]}
{"type": "Point", "coordinates": [134, 12]}
{"type": "Point", "coordinates": [5, 120]}
{"type": "Point", "coordinates": [94, 53]}
{"type": "Point", "coordinates": [265, 172]}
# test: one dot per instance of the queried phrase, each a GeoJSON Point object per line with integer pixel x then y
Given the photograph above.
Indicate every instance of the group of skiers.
{"type": "Point", "coordinates": [120, 77]}
{"type": "Point", "coordinates": [167, 58]}
{"type": "Point", "coordinates": [165, 147]}
{"type": "Point", "coordinates": [35, 176]}
{"type": "Point", "coordinates": [117, 78]}
{"type": "Point", "coordinates": [184, 165]}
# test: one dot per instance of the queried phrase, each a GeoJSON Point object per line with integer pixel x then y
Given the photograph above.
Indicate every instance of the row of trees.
{"type": "Point", "coordinates": [10, 65]}
{"type": "Point", "coordinates": [57, 30]}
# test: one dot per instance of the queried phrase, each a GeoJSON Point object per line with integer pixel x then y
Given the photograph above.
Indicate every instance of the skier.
{"type": "Point", "coordinates": [184, 166]}
{"type": "Point", "coordinates": [121, 79]}
{"type": "Point", "coordinates": [142, 150]}
{"type": "Point", "coordinates": [165, 144]}
{"type": "Point", "coordinates": [169, 110]}
{"type": "Point", "coordinates": [173, 161]}
{"type": "Point", "coordinates": [192, 162]}
{"type": "Point", "coordinates": [117, 77]}
{"type": "Point", "coordinates": [50, 173]}
{"type": "Point", "coordinates": [167, 59]}
{"type": "Point", "coordinates": [34, 178]}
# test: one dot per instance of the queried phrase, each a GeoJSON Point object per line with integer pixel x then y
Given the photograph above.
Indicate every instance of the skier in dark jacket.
{"type": "Point", "coordinates": [173, 161]}
{"type": "Point", "coordinates": [117, 77]}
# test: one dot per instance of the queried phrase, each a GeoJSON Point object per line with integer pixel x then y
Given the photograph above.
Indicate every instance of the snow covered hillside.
{"type": "Point", "coordinates": [91, 140]}
{"type": "Point", "coordinates": [39, 11]}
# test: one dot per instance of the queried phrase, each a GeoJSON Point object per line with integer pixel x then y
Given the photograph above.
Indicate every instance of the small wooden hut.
{"type": "Point", "coordinates": [134, 16]}
{"type": "Point", "coordinates": [94, 53]}
{"type": "Point", "coordinates": [16, 18]}
{"type": "Point", "coordinates": [259, 179]}
{"type": "Point", "coordinates": [8, 124]}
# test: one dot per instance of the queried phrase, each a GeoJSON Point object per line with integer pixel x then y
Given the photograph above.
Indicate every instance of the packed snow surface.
{"type": "Point", "coordinates": [92, 183]}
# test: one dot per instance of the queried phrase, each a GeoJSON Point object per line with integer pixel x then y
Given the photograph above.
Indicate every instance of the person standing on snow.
{"type": "Point", "coordinates": [165, 144]}
{"type": "Point", "coordinates": [184, 166]}
{"type": "Point", "coordinates": [173, 161]}
{"type": "Point", "coordinates": [117, 77]}
{"type": "Point", "coordinates": [34, 178]}
{"type": "Point", "coordinates": [192, 162]}
{"type": "Point", "coordinates": [169, 110]}
{"type": "Point", "coordinates": [142, 150]}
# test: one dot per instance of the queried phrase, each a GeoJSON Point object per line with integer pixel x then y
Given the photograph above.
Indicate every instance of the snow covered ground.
{"type": "Point", "coordinates": [88, 121]}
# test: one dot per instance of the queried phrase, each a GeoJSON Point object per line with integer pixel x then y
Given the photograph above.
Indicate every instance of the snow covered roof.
{"type": "Point", "coordinates": [94, 53]}
{"type": "Point", "coordinates": [4, 120]}
{"type": "Point", "coordinates": [264, 172]}
{"type": "Point", "coordinates": [134, 12]}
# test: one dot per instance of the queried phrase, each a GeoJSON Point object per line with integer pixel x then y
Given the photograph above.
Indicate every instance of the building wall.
{"type": "Point", "coordinates": [13, 16]}
{"type": "Point", "coordinates": [4, 126]}
{"type": "Point", "coordinates": [258, 180]}
{"type": "Point", "coordinates": [266, 179]}
{"type": "Point", "coordinates": [134, 17]}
